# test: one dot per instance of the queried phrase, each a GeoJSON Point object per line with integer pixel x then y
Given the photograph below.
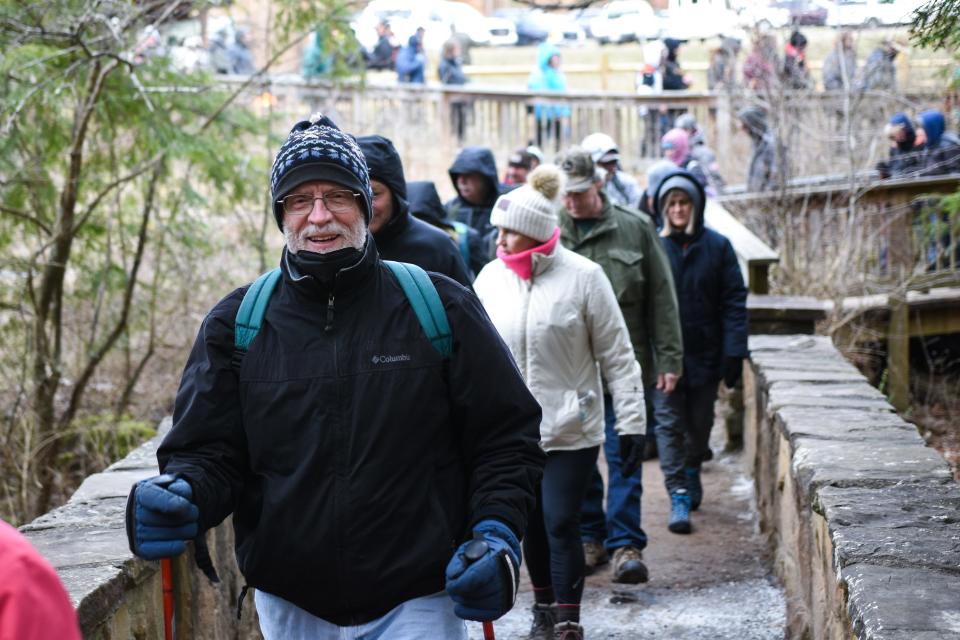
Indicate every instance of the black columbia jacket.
{"type": "Point", "coordinates": [353, 458]}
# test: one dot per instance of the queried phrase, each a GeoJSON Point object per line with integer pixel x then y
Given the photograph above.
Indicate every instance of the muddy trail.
{"type": "Point", "coordinates": [713, 584]}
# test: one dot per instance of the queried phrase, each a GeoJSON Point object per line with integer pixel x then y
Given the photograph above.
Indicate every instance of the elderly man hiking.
{"type": "Point", "coordinates": [380, 468]}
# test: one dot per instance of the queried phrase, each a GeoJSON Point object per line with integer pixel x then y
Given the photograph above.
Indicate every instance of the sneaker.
{"type": "Point", "coordinates": [680, 512]}
{"type": "Point", "coordinates": [628, 567]}
{"type": "Point", "coordinates": [694, 488]}
{"type": "Point", "coordinates": [543, 622]}
{"type": "Point", "coordinates": [594, 555]}
{"type": "Point", "coordinates": [568, 630]}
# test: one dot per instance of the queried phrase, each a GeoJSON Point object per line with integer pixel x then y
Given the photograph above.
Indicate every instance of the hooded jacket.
{"type": "Point", "coordinates": [353, 457]}
{"type": "Point", "coordinates": [942, 149]}
{"type": "Point", "coordinates": [565, 329]}
{"type": "Point", "coordinates": [624, 242]}
{"type": "Point", "coordinates": [710, 292]}
{"type": "Point", "coordinates": [424, 203]}
{"type": "Point", "coordinates": [763, 172]}
{"type": "Point", "coordinates": [404, 238]}
{"type": "Point", "coordinates": [546, 78]}
{"type": "Point", "coordinates": [477, 216]}
{"type": "Point", "coordinates": [905, 159]}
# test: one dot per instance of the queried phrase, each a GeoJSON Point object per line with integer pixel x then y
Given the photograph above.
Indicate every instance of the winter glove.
{"type": "Point", "coordinates": [732, 370]}
{"type": "Point", "coordinates": [161, 517]}
{"type": "Point", "coordinates": [631, 453]}
{"type": "Point", "coordinates": [483, 575]}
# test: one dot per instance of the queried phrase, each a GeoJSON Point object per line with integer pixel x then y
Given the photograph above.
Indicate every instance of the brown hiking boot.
{"type": "Point", "coordinates": [567, 631]}
{"type": "Point", "coordinates": [594, 555]}
{"type": "Point", "coordinates": [543, 621]}
{"type": "Point", "coordinates": [628, 567]}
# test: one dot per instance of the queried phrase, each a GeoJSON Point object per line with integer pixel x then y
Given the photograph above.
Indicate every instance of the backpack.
{"type": "Point", "coordinates": [414, 281]}
{"type": "Point", "coordinates": [463, 238]}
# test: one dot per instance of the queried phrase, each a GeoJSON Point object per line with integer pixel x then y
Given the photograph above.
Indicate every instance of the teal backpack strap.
{"type": "Point", "coordinates": [252, 309]}
{"type": "Point", "coordinates": [426, 303]}
{"type": "Point", "coordinates": [464, 235]}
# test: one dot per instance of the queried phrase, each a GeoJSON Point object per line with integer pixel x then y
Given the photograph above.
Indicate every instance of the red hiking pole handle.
{"type": "Point", "coordinates": [473, 552]}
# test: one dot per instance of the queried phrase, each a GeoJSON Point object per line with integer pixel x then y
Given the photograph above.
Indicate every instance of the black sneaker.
{"type": "Point", "coordinates": [543, 622]}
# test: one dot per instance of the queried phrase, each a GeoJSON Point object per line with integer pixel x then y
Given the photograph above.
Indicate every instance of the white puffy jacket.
{"type": "Point", "coordinates": [564, 328]}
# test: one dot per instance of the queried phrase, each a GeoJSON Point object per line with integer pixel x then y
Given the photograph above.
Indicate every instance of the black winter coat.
{"type": "Point", "coordinates": [712, 299]}
{"type": "Point", "coordinates": [353, 458]}
{"type": "Point", "coordinates": [425, 205]}
{"type": "Point", "coordinates": [404, 238]}
{"type": "Point", "coordinates": [477, 160]}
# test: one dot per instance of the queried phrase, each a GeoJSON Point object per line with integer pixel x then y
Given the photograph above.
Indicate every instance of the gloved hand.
{"type": "Point", "coordinates": [161, 517]}
{"type": "Point", "coordinates": [485, 588]}
{"type": "Point", "coordinates": [732, 370]}
{"type": "Point", "coordinates": [631, 453]}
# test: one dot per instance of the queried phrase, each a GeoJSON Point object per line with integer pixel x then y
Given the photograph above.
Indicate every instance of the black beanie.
{"type": "Point", "coordinates": [317, 149]}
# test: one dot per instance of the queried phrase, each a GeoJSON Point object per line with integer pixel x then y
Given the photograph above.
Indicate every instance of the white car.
{"type": "Point", "coordinates": [437, 17]}
{"type": "Point", "coordinates": [872, 13]}
{"type": "Point", "coordinates": [625, 20]}
{"type": "Point", "coordinates": [503, 33]}
{"type": "Point", "coordinates": [686, 20]}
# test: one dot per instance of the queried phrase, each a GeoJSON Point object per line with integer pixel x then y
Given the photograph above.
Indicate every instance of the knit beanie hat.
{"type": "Point", "coordinates": [317, 149]}
{"type": "Point", "coordinates": [531, 208]}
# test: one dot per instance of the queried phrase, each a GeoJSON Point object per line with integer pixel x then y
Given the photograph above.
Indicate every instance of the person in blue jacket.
{"type": "Point", "coordinates": [549, 77]}
{"type": "Point", "coordinates": [713, 319]}
{"type": "Point", "coordinates": [411, 61]}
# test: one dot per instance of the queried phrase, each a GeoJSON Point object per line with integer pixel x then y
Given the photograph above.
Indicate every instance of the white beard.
{"type": "Point", "coordinates": [354, 235]}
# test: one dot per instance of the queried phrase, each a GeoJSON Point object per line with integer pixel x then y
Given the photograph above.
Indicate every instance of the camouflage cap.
{"type": "Point", "coordinates": [580, 170]}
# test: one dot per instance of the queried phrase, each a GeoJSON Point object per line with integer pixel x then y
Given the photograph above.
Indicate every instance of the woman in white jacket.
{"type": "Point", "coordinates": [558, 313]}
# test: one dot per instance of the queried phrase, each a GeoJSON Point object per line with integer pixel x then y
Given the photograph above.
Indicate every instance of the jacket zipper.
{"type": "Point", "coordinates": [329, 325]}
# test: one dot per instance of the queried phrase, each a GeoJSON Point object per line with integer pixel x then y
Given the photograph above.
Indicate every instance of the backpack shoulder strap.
{"type": "Point", "coordinates": [463, 234]}
{"type": "Point", "coordinates": [426, 303]}
{"type": "Point", "coordinates": [252, 309]}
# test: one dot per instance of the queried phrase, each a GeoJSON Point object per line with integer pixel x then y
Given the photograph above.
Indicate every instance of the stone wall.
{"type": "Point", "coordinates": [862, 516]}
{"type": "Point", "coordinates": [120, 596]}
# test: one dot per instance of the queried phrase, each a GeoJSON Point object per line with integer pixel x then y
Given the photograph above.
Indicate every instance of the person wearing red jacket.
{"type": "Point", "coordinates": [33, 603]}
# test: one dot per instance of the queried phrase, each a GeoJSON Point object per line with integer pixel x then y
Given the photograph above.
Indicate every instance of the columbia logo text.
{"type": "Point", "coordinates": [402, 357]}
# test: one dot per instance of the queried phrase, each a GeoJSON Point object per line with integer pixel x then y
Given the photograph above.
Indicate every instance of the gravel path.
{"type": "Point", "coordinates": [713, 584]}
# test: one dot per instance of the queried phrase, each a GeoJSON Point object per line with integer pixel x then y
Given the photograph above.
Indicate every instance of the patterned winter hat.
{"type": "Point", "coordinates": [317, 149]}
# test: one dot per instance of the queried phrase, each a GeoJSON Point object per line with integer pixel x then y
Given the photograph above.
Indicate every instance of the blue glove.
{"type": "Point", "coordinates": [483, 574]}
{"type": "Point", "coordinates": [161, 517]}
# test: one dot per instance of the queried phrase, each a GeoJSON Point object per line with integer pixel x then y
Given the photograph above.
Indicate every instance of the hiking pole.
{"type": "Point", "coordinates": [473, 552]}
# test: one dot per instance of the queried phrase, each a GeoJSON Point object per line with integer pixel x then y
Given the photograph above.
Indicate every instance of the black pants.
{"type": "Point", "coordinates": [552, 546]}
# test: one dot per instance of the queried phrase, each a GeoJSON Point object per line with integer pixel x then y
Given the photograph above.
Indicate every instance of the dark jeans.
{"type": "Point", "coordinates": [620, 527]}
{"type": "Point", "coordinates": [552, 546]}
{"type": "Point", "coordinates": [684, 434]}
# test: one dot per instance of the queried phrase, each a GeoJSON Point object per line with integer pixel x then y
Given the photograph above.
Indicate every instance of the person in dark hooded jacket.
{"type": "Point", "coordinates": [713, 319]}
{"type": "Point", "coordinates": [400, 236]}
{"type": "Point", "coordinates": [424, 203]}
{"type": "Point", "coordinates": [358, 458]}
{"type": "Point", "coordinates": [763, 172]}
{"type": "Point", "coordinates": [474, 176]}
{"type": "Point", "coordinates": [941, 150]}
{"type": "Point", "coordinates": [905, 154]}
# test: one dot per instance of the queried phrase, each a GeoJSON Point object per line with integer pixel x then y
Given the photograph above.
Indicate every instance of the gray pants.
{"type": "Point", "coordinates": [684, 420]}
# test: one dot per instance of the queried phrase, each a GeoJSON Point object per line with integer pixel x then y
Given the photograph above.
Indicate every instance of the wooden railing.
{"type": "Point", "coordinates": [897, 226]}
{"type": "Point", "coordinates": [418, 118]}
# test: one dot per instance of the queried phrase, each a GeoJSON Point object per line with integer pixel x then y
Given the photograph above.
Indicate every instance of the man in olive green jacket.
{"type": "Point", "coordinates": [624, 242]}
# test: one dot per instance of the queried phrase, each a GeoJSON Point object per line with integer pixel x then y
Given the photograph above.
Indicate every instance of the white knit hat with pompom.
{"type": "Point", "coordinates": [531, 209]}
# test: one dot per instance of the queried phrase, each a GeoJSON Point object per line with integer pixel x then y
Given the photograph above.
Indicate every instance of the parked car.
{"type": "Point", "coordinates": [767, 17]}
{"type": "Point", "coordinates": [805, 12]}
{"type": "Point", "coordinates": [872, 13]}
{"type": "Point", "coordinates": [584, 17]}
{"type": "Point", "coordinates": [437, 17]}
{"type": "Point", "coordinates": [625, 20]}
{"type": "Point", "coordinates": [536, 25]}
{"type": "Point", "coordinates": [686, 20]}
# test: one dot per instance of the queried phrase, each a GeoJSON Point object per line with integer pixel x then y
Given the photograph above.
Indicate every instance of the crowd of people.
{"type": "Point", "coordinates": [422, 400]}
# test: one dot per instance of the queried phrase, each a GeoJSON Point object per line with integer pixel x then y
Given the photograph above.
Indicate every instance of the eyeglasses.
{"type": "Point", "coordinates": [338, 201]}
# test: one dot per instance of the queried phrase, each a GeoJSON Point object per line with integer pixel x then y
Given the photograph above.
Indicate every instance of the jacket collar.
{"type": "Point", "coordinates": [570, 235]}
{"type": "Point", "coordinates": [348, 281]}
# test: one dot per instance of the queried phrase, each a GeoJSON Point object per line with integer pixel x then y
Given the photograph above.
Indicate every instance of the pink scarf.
{"type": "Point", "coordinates": [522, 263]}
